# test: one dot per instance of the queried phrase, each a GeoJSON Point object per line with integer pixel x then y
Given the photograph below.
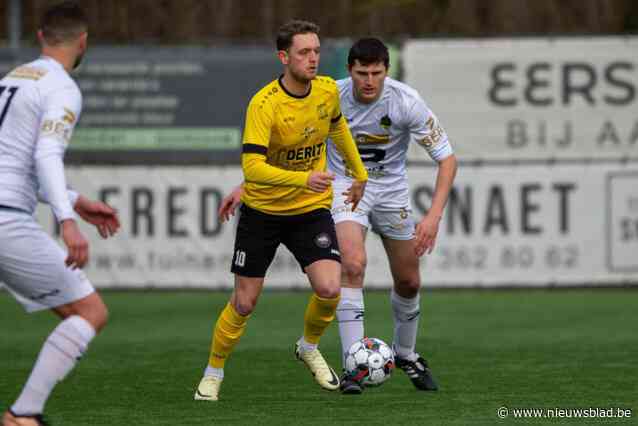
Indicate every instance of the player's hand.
{"type": "Point", "coordinates": [100, 214]}
{"type": "Point", "coordinates": [320, 181]}
{"type": "Point", "coordinates": [229, 204]}
{"type": "Point", "coordinates": [354, 194]}
{"type": "Point", "coordinates": [425, 234]}
{"type": "Point", "coordinates": [77, 245]}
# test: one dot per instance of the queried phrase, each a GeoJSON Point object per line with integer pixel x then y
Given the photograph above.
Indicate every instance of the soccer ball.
{"type": "Point", "coordinates": [370, 360]}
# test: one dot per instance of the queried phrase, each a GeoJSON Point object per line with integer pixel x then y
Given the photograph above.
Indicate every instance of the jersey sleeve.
{"type": "Point", "coordinates": [426, 130]}
{"type": "Point", "coordinates": [259, 123]}
{"type": "Point", "coordinates": [61, 110]}
{"type": "Point", "coordinates": [342, 138]}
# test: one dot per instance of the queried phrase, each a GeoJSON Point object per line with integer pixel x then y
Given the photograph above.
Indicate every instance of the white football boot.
{"type": "Point", "coordinates": [208, 389]}
{"type": "Point", "coordinates": [322, 372]}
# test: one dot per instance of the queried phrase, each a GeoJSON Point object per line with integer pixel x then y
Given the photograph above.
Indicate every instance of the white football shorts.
{"type": "Point", "coordinates": [32, 265]}
{"type": "Point", "coordinates": [386, 210]}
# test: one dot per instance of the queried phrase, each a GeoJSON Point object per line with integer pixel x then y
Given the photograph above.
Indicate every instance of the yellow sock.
{"type": "Point", "coordinates": [229, 328]}
{"type": "Point", "coordinates": [319, 314]}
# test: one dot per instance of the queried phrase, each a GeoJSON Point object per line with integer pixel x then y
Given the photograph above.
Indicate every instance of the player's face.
{"type": "Point", "coordinates": [302, 58]}
{"type": "Point", "coordinates": [367, 80]}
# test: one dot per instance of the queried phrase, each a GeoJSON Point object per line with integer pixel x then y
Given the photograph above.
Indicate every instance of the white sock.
{"type": "Point", "coordinates": [305, 346]}
{"type": "Point", "coordinates": [350, 313]}
{"type": "Point", "coordinates": [215, 372]}
{"type": "Point", "coordinates": [62, 349]}
{"type": "Point", "coordinates": [406, 314]}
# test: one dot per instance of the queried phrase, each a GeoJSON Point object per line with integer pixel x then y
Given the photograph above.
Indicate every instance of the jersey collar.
{"type": "Point", "coordinates": [291, 94]}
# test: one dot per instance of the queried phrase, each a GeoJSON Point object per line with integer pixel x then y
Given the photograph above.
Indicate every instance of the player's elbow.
{"type": "Point", "coordinates": [449, 164]}
{"type": "Point", "coordinates": [250, 166]}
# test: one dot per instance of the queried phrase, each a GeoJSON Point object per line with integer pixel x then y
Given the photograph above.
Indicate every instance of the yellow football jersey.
{"type": "Point", "coordinates": [285, 140]}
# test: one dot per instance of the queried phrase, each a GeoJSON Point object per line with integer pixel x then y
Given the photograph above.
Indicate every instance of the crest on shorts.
{"type": "Point", "coordinates": [323, 240]}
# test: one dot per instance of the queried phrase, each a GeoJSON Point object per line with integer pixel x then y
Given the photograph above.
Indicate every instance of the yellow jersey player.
{"type": "Point", "coordinates": [287, 199]}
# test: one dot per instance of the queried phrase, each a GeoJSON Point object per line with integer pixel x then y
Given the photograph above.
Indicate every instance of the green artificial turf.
{"type": "Point", "coordinates": [488, 349]}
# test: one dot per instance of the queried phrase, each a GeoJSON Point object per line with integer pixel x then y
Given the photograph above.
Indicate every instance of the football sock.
{"type": "Point", "coordinates": [229, 328]}
{"type": "Point", "coordinates": [350, 318]}
{"type": "Point", "coordinates": [319, 314]}
{"type": "Point", "coordinates": [215, 372]}
{"type": "Point", "coordinates": [406, 323]}
{"type": "Point", "coordinates": [59, 354]}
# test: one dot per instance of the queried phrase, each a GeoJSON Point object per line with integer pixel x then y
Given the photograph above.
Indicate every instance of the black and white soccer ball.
{"type": "Point", "coordinates": [370, 361]}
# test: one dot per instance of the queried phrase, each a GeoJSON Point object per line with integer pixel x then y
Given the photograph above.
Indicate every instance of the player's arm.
{"type": "Point", "coordinates": [61, 110]}
{"type": "Point", "coordinates": [259, 123]}
{"type": "Point", "coordinates": [98, 213]}
{"type": "Point", "coordinates": [230, 203]}
{"type": "Point", "coordinates": [342, 138]}
{"type": "Point", "coordinates": [426, 130]}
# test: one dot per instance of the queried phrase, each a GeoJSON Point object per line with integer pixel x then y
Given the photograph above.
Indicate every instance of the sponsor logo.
{"type": "Point", "coordinates": [366, 139]}
{"type": "Point", "coordinates": [69, 116]}
{"type": "Point", "coordinates": [323, 240]}
{"type": "Point", "coordinates": [358, 315]}
{"type": "Point", "coordinates": [434, 136]}
{"type": "Point", "coordinates": [335, 252]}
{"type": "Point", "coordinates": [308, 131]}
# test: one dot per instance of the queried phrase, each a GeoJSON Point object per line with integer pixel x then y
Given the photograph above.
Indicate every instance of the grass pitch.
{"type": "Point", "coordinates": [488, 349]}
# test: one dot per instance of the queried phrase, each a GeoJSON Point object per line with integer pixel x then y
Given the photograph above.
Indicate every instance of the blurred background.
{"type": "Point", "coordinates": [538, 98]}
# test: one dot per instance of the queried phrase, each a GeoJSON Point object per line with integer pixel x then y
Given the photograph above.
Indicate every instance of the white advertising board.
{"type": "Point", "coordinates": [504, 226]}
{"type": "Point", "coordinates": [558, 98]}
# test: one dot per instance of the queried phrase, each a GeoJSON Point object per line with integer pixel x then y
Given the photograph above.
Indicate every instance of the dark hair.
{"type": "Point", "coordinates": [63, 22]}
{"type": "Point", "coordinates": [291, 28]}
{"type": "Point", "coordinates": [369, 51]}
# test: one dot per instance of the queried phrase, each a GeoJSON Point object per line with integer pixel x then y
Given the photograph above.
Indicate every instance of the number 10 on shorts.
{"type": "Point", "coordinates": [240, 258]}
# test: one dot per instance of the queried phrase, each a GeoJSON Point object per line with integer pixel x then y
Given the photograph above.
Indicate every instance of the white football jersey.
{"type": "Point", "coordinates": [39, 107]}
{"type": "Point", "coordinates": [384, 129]}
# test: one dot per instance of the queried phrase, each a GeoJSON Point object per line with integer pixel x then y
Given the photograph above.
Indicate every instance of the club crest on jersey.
{"type": "Point", "coordinates": [385, 122]}
{"type": "Point", "coordinates": [322, 112]}
{"type": "Point", "coordinates": [323, 240]}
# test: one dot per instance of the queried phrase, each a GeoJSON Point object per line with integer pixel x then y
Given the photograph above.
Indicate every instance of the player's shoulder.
{"type": "Point", "coordinates": [267, 95]}
{"type": "Point", "coordinates": [55, 78]}
{"type": "Point", "coordinates": [324, 83]}
{"type": "Point", "coordinates": [402, 91]}
{"type": "Point", "coordinates": [344, 84]}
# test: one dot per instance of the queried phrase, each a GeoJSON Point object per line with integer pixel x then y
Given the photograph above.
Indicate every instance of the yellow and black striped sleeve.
{"type": "Point", "coordinates": [259, 123]}
{"type": "Point", "coordinates": [341, 136]}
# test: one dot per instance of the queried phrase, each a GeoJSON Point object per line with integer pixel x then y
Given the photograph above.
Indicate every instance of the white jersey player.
{"type": "Point", "coordinates": [39, 107]}
{"type": "Point", "coordinates": [384, 130]}
{"type": "Point", "coordinates": [386, 116]}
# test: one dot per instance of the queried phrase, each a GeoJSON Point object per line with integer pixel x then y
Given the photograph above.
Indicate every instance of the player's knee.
{"type": "Point", "coordinates": [245, 305]}
{"type": "Point", "coordinates": [353, 268]}
{"type": "Point", "coordinates": [408, 287]}
{"type": "Point", "coordinates": [97, 315]}
{"type": "Point", "coordinates": [328, 290]}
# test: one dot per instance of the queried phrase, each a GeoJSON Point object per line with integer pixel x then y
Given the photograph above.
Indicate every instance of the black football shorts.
{"type": "Point", "coordinates": [309, 236]}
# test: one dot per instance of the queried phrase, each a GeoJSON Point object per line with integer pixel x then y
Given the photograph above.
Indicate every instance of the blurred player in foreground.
{"type": "Point", "coordinates": [39, 107]}
{"type": "Point", "coordinates": [287, 199]}
{"type": "Point", "coordinates": [384, 116]}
